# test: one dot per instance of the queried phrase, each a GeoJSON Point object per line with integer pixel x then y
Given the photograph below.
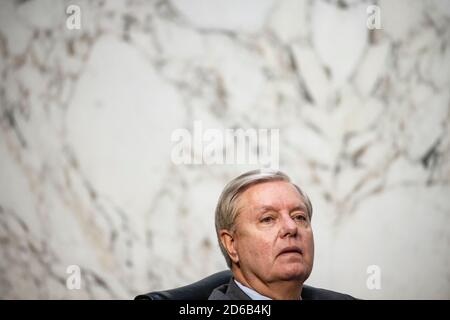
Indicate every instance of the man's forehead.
{"type": "Point", "coordinates": [271, 187]}
{"type": "Point", "coordinates": [270, 196]}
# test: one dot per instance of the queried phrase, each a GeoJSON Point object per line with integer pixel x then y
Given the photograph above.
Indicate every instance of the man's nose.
{"type": "Point", "coordinates": [288, 226]}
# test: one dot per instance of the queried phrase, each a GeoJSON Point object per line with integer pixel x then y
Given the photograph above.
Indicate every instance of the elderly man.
{"type": "Point", "coordinates": [263, 224]}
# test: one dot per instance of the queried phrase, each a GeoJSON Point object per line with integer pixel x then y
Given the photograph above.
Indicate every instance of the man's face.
{"type": "Point", "coordinates": [273, 239]}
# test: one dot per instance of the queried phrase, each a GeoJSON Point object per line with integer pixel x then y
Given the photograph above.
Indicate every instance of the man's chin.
{"type": "Point", "coordinates": [294, 273]}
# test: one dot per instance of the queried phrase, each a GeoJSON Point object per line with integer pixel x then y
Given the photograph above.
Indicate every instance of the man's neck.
{"type": "Point", "coordinates": [279, 290]}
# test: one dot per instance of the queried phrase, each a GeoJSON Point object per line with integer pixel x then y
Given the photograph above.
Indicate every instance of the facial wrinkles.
{"type": "Point", "coordinates": [275, 236]}
{"type": "Point", "coordinates": [283, 204]}
{"type": "Point", "coordinates": [281, 199]}
{"type": "Point", "coordinates": [271, 239]}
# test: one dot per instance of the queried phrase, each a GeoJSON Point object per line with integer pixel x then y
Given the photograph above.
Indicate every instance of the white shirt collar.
{"type": "Point", "coordinates": [250, 292]}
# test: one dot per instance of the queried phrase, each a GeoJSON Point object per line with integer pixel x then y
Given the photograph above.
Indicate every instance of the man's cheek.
{"type": "Point", "coordinates": [311, 249]}
{"type": "Point", "coordinates": [260, 251]}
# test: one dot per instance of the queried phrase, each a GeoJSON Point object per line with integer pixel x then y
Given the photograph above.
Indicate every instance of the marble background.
{"type": "Point", "coordinates": [86, 118]}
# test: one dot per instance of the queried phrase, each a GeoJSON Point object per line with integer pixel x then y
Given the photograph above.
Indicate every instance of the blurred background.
{"type": "Point", "coordinates": [91, 94]}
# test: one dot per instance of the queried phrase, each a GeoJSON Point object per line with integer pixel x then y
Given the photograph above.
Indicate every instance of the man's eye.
{"type": "Point", "coordinates": [300, 218]}
{"type": "Point", "coordinates": [267, 219]}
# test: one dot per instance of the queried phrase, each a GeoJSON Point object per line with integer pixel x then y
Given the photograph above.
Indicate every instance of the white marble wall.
{"type": "Point", "coordinates": [86, 118]}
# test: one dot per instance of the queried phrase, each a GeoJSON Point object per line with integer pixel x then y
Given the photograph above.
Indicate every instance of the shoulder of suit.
{"type": "Point", "coordinates": [312, 293]}
{"type": "Point", "coordinates": [219, 293]}
{"type": "Point", "coordinates": [228, 292]}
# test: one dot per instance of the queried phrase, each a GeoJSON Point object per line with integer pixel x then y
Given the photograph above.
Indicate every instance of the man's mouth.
{"type": "Point", "coordinates": [291, 249]}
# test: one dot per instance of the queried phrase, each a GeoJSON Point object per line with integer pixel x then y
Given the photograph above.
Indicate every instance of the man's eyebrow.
{"type": "Point", "coordinates": [265, 208]}
{"type": "Point", "coordinates": [300, 207]}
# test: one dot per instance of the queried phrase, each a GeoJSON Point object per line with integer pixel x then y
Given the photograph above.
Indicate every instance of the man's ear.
{"type": "Point", "coordinates": [227, 239]}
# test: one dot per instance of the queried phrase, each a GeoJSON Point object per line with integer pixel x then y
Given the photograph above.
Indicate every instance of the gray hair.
{"type": "Point", "coordinates": [227, 209]}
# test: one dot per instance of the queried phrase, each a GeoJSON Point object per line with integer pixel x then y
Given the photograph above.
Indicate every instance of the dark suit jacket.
{"type": "Point", "coordinates": [231, 291]}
